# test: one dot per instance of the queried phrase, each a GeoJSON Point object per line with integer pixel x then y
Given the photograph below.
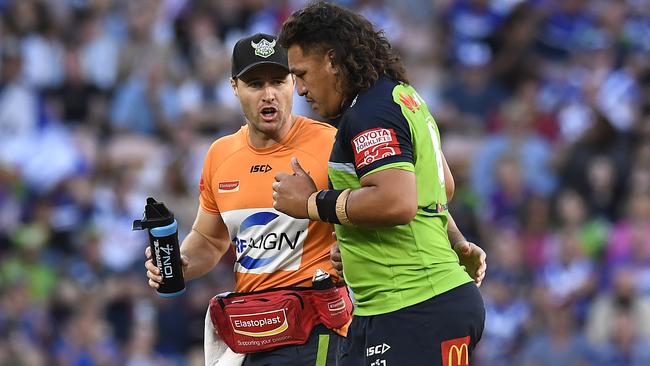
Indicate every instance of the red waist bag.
{"type": "Point", "coordinates": [260, 321]}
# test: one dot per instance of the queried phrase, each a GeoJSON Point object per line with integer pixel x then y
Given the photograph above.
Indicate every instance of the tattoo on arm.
{"type": "Point", "coordinates": [455, 236]}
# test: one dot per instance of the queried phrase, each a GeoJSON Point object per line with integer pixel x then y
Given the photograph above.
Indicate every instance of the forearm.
{"type": "Point", "coordinates": [386, 198]}
{"type": "Point", "coordinates": [202, 253]}
{"type": "Point", "coordinates": [454, 234]}
{"type": "Point", "coordinates": [374, 207]}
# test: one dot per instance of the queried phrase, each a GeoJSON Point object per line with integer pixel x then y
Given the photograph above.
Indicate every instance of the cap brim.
{"type": "Point", "coordinates": [260, 63]}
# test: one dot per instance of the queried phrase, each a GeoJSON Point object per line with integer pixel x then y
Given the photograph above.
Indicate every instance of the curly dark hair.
{"type": "Point", "coordinates": [361, 53]}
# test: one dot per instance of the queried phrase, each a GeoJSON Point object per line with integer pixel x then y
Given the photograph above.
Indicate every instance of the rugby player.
{"type": "Point", "coordinates": [388, 194]}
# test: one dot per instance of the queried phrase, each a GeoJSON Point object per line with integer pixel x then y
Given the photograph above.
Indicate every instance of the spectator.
{"type": "Point", "coordinates": [623, 297]}
{"type": "Point", "coordinates": [506, 205]}
{"type": "Point", "coordinates": [516, 139]}
{"type": "Point", "coordinates": [625, 346]}
{"type": "Point", "coordinates": [569, 277]}
{"type": "Point", "coordinates": [73, 98]}
{"type": "Point", "coordinates": [473, 96]}
{"type": "Point", "coordinates": [146, 103]}
{"type": "Point", "coordinates": [506, 315]}
{"type": "Point", "coordinates": [558, 344]}
{"type": "Point", "coordinates": [18, 103]}
{"type": "Point", "coordinates": [572, 216]}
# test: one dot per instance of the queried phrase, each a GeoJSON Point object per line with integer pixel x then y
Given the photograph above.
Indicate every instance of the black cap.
{"type": "Point", "coordinates": [258, 49]}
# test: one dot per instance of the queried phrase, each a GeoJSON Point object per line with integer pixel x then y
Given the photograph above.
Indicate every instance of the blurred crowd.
{"type": "Point", "coordinates": [544, 111]}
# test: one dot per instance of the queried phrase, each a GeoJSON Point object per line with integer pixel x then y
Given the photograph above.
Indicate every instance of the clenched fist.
{"type": "Point", "coordinates": [291, 191]}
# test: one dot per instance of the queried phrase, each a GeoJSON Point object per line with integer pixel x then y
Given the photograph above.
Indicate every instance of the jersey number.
{"type": "Point", "coordinates": [436, 150]}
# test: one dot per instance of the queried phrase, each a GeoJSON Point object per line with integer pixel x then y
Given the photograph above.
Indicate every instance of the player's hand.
{"type": "Point", "coordinates": [153, 273]}
{"type": "Point", "coordinates": [473, 258]}
{"type": "Point", "coordinates": [335, 257]}
{"type": "Point", "coordinates": [291, 191]}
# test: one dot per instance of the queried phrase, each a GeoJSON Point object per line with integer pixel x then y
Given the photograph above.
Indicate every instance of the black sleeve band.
{"type": "Point", "coordinates": [326, 204]}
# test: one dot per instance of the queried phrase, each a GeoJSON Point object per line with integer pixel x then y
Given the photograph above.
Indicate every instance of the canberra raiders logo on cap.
{"type": "Point", "coordinates": [263, 48]}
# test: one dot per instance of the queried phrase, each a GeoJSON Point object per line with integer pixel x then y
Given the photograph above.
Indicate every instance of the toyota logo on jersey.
{"type": "Point", "coordinates": [374, 144]}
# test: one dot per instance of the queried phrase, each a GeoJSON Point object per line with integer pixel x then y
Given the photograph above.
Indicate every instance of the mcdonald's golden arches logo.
{"type": "Point", "coordinates": [455, 352]}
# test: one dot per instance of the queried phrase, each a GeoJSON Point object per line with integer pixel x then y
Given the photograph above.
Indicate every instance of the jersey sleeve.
{"type": "Point", "coordinates": [206, 194]}
{"type": "Point", "coordinates": [379, 139]}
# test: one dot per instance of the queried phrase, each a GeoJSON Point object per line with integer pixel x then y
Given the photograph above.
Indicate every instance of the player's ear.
{"type": "Point", "coordinates": [331, 61]}
{"type": "Point", "coordinates": [233, 84]}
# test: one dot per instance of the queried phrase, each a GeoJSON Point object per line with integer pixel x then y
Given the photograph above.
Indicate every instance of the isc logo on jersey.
{"type": "Point", "coordinates": [265, 240]}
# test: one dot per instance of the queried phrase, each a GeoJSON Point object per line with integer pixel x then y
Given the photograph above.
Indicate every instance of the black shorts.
{"type": "Point", "coordinates": [442, 330]}
{"type": "Point", "coordinates": [319, 350]}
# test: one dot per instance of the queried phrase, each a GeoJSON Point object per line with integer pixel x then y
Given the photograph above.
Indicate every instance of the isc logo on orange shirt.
{"type": "Point", "coordinates": [455, 352]}
{"type": "Point", "coordinates": [231, 186]}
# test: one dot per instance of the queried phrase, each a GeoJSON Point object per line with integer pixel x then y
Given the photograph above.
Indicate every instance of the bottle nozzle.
{"type": "Point", "coordinates": [322, 280]}
{"type": "Point", "coordinates": [320, 274]}
{"type": "Point", "coordinates": [155, 214]}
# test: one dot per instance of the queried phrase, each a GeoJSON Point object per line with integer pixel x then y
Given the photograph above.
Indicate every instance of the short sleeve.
{"type": "Point", "coordinates": [206, 195]}
{"type": "Point", "coordinates": [379, 139]}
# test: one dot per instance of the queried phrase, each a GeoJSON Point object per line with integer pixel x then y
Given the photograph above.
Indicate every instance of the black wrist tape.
{"type": "Point", "coordinates": [326, 204]}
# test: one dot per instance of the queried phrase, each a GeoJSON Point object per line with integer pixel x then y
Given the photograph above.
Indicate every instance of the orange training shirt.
{"type": "Point", "coordinates": [272, 249]}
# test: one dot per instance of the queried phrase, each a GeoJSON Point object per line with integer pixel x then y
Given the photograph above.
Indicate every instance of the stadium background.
{"type": "Point", "coordinates": [545, 116]}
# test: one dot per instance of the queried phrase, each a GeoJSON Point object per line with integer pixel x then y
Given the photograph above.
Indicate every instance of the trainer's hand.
{"type": "Point", "coordinates": [291, 191]}
{"type": "Point", "coordinates": [153, 273]}
{"type": "Point", "coordinates": [473, 258]}
{"type": "Point", "coordinates": [335, 257]}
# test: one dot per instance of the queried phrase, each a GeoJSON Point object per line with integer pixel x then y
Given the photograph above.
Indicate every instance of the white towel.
{"type": "Point", "coordinates": [217, 352]}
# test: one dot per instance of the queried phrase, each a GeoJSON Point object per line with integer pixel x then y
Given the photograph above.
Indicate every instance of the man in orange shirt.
{"type": "Point", "coordinates": [273, 250]}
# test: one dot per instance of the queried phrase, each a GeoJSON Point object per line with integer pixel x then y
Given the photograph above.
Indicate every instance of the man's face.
{"type": "Point", "coordinates": [316, 80]}
{"type": "Point", "coordinates": [266, 97]}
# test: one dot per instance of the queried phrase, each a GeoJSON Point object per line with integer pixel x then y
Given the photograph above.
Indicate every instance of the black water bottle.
{"type": "Point", "coordinates": [163, 241]}
{"type": "Point", "coordinates": [330, 304]}
{"type": "Point", "coordinates": [322, 280]}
